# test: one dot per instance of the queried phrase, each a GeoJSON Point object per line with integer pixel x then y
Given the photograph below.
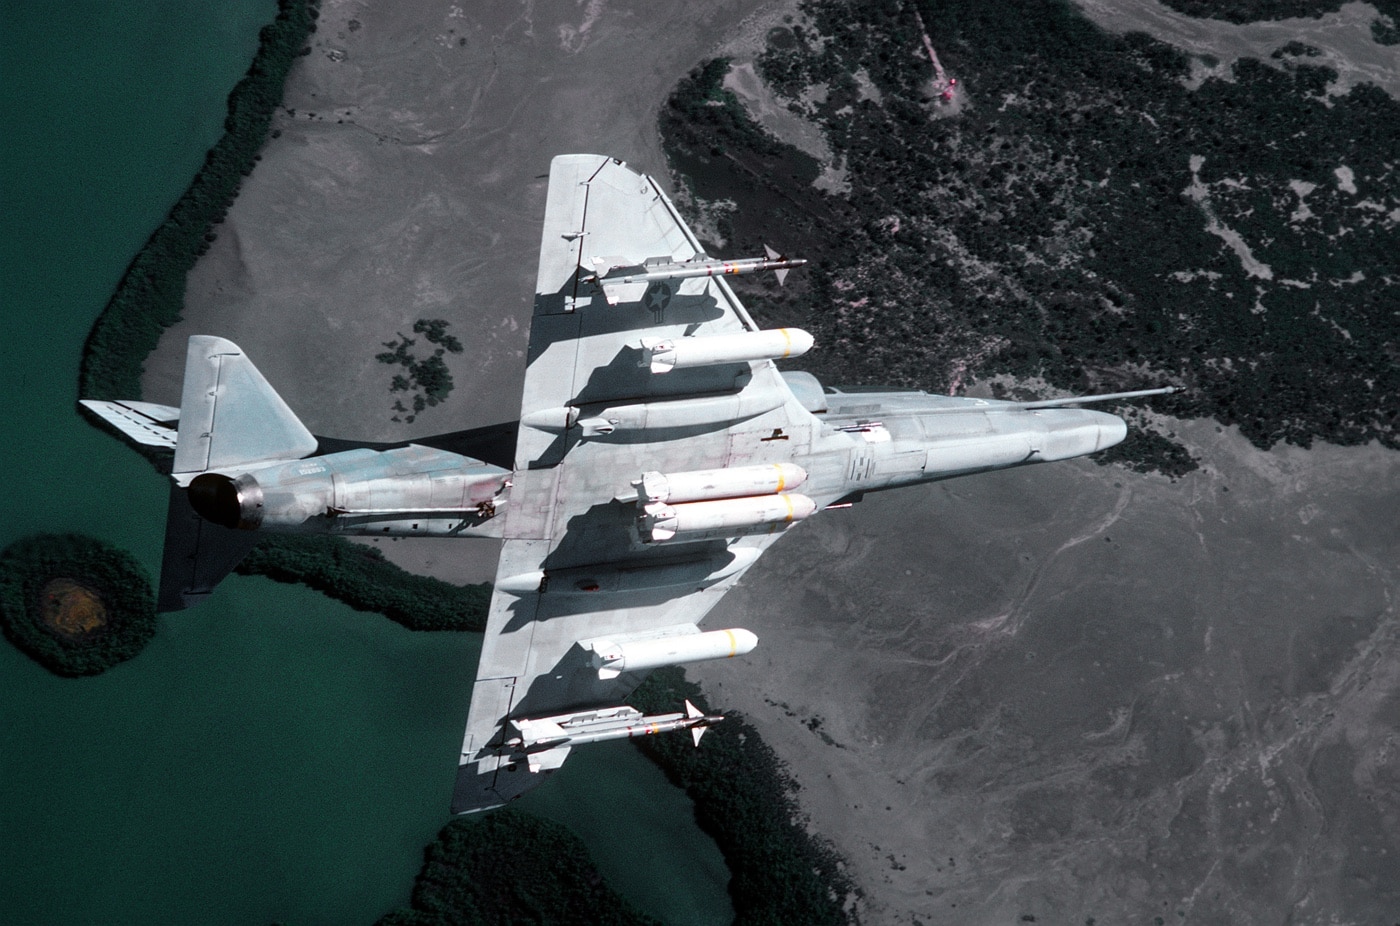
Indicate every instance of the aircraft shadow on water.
{"type": "Point", "coordinates": [659, 452]}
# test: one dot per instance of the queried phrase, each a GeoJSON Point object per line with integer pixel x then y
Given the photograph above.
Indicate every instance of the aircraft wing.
{"type": "Point", "coordinates": [594, 418]}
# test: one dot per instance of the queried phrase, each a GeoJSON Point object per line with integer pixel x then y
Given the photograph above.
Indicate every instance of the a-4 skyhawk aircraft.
{"type": "Point", "coordinates": [659, 453]}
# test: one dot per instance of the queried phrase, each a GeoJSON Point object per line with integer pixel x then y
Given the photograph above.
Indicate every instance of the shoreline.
{"type": "Point", "coordinates": [149, 298]}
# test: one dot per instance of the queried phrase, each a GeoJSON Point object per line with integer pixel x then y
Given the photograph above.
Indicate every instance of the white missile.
{"type": "Point", "coordinates": [612, 657]}
{"type": "Point", "coordinates": [727, 516]}
{"type": "Point", "coordinates": [690, 412]}
{"type": "Point", "coordinates": [609, 723]}
{"type": "Point", "coordinates": [665, 354]}
{"type": "Point", "coordinates": [654, 271]}
{"type": "Point", "coordinates": [732, 482]}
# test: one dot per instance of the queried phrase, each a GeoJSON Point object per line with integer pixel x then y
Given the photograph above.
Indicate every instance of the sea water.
{"type": "Point", "coordinates": [272, 755]}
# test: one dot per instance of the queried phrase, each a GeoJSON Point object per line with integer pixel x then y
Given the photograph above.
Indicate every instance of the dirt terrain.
{"type": "Point", "coordinates": [1072, 691]}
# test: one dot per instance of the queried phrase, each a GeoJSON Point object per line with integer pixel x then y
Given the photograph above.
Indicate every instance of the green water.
{"type": "Point", "coordinates": [272, 755]}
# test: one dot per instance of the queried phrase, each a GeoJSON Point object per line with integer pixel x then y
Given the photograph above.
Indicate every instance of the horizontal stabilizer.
{"type": "Point", "coordinates": [142, 423]}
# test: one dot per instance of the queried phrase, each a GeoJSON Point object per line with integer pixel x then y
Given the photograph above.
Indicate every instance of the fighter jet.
{"type": "Point", "coordinates": [658, 454]}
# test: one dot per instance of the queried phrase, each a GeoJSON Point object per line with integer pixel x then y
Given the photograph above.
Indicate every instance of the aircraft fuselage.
{"type": "Point", "coordinates": [880, 440]}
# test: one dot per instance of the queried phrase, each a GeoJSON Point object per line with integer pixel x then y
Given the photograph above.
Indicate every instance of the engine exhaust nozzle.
{"type": "Point", "coordinates": [226, 501]}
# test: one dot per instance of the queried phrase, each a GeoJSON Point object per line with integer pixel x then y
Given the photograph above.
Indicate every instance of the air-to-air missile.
{"type": "Point", "coordinates": [616, 271]}
{"type": "Point", "coordinates": [545, 741]}
{"type": "Point", "coordinates": [656, 269]}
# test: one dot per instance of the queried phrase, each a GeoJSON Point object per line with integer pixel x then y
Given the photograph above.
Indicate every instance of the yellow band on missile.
{"type": "Point", "coordinates": [788, 500]}
{"type": "Point", "coordinates": [733, 644]}
{"type": "Point", "coordinates": [782, 481]}
{"type": "Point", "coordinates": [787, 339]}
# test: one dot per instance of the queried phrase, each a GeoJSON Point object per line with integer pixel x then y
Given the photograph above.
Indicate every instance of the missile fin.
{"type": "Point", "coordinates": [548, 760]}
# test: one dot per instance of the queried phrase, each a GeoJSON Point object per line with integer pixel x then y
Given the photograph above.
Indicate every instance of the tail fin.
{"type": "Point", "coordinates": [229, 419]}
{"type": "Point", "coordinates": [692, 712]}
{"type": "Point", "coordinates": [229, 416]}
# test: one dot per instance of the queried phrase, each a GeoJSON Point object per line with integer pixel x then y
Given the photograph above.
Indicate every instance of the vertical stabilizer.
{"type": "Point", "coordinates": [229, 416]}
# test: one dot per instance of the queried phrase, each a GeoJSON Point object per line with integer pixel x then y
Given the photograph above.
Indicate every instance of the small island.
{"type": "Point", "coordinates": [74, 604]}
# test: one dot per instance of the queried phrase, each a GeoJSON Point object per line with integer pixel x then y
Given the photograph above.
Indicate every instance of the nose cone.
{"type": "Point", "coordinates": [1073, 432]}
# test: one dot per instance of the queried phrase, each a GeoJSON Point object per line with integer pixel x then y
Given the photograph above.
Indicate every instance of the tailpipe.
{"type": "Point", "coordinates": [226, 501]}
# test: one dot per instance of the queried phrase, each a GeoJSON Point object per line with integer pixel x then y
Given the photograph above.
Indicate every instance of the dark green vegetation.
{"type": "Point", "coordinates": [509, 867]}
{"type": "Point", "coordinates": [151, 293]}
{"type": "Point", "coordinates": [506, 868]}
{"type": "Point", "coordinates": [711, 141]}
{"type": "Point", "coordinates": [780, 873]}
{"type": "Point", "coordinates": [1386, 30]}
{"type": "Point", "coordinates": [1082, 217]}
{"type": "Point", "coordinates": [428, 380]}
{"type": "Point", "coordinates": [74, 604]}
{"type": "Point", "coordinates": [361, 577]}
{"type": "Point", "coordinates": [1248, 11]}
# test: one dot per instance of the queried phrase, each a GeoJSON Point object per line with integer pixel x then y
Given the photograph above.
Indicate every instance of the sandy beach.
{"type": "Point", "coordinates": [1060, 690]}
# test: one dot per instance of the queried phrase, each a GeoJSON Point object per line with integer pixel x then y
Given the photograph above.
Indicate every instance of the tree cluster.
{"type": "Point", "coordinates": [507, 868]}
{"type": "Point", "coordinates": [114, 575]}
{"type": "Point", "coordinates": [362, 578]}
{"type": "Point", "coordinates": [779, 872]}
{"type": "Point", "coordinates": [1056, 228]}
{"type": "Point", "coordinates": [429, 380]}
{"type": "Point", "coordinates": [151, 294]}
